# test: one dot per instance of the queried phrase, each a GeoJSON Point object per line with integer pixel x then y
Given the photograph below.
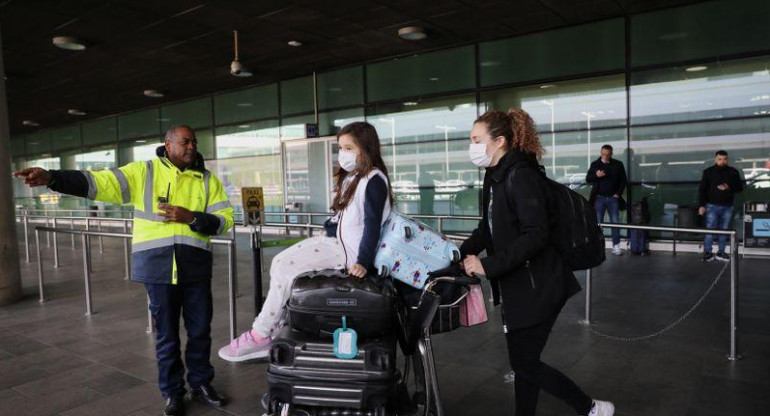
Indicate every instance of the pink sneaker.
{"type": "Point", "coordinates": [248, 346]}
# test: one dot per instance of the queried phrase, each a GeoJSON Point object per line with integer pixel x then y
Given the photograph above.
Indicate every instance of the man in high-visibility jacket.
{"type": "Point", "coordinates": [178, 204]}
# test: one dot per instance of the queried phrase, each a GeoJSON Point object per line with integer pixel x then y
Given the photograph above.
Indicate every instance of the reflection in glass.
{"type": "Point", "coordinates": [260, 138]}
{"type": "Point", "coordinates": [264, 171]}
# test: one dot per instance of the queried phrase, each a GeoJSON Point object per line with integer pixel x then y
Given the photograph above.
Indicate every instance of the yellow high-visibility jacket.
{"type": "Point", "coordinates": [165, 252]}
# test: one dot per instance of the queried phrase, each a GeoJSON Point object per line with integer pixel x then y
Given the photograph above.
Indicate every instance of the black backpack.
{"type": "Point", "coordinates": [574, 230]}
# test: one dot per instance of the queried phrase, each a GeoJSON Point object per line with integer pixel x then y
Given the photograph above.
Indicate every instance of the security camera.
{"type": "Point", "coordinates": [236, 68]}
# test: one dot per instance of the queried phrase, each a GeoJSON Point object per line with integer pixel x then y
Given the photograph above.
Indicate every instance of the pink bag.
{"type": "Point", "coordinates": [473, 310]}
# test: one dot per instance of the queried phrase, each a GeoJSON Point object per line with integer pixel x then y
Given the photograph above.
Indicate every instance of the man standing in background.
{"type": "Point", "coordinates": [716, 194]}
{"type": "Point", "coordinates": [608, 177]}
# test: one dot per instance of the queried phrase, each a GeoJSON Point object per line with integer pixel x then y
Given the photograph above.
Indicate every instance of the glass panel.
{"type": "Point", "coordinates": [722, 89]}
{"type": "Point", "coordinates": [264, 171]}
{"type": "Point", "coordinates": [341, 88]}
{"type": "Point", "coordinates": [330, 123]}
{"type": "Point", "coordinates": [309, 174]}
{"type": "Point", "coordinates": [554, 53]}
{"type": "Point", "coordinates": [206, 143]}
{"type": "Point", "coordinates": [100, 131]}
{"type": "Point", "coordinates": [258, 138]}
{"type": "Point", "coordinates": [294, 127]}
{"type": "Point", "coordinates": [17, 145]}
{"type": "Point", "coordinates": [702, 30]}
{"type": "Point", "coordinates": [600, 102]}
{"type": "Point", "coordinates": [250, 104]}
{"type": "Point", "coordinates": [680, 152]}
{"type": "Point", "coordinates": [297, 95]}
{"type": "Point", "coordinates": [66, 137]}
{"type": "Point", "coordinates": [44, 197]}
{"type": "Point", "coordinates": [139, 124]}
{"type": "Point", "coordinates": [38, 143]}
{"type": "Point", "coordinates": [137, 151]}
{"type": "Point", "coordinates": [422, 74]}
{"type": "Point", "coordinates": [103, 158]}
{"type": "Point", "coordinates": [195, 114]}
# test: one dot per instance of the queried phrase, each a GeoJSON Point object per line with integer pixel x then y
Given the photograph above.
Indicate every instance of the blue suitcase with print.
{"type": "Point", "coordinates": [409, 249]}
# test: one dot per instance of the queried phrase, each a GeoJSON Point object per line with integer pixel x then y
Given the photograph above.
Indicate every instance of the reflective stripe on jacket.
{"type": "Point", "coordinates": [165, 252]}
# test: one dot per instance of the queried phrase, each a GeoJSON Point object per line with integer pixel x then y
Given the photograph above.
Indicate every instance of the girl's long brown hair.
{"type": "Point", "coordinates": [366, 138]}
{"type": "Point", "coordinates": [517, 127]}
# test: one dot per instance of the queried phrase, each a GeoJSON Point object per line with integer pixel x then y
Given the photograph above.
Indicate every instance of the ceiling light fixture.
{"type": "Point", "coordinates": [697, 68]}
{"type": "Point", "coordinates": [236, 67]}
{"type": "Point", "coordinates": [69, 43]}
{"type": "Point", "coordinates": [76, 112]}
{"type": "Point", "coordinates": [30, 123]}
{"type": "Point", "coordinates": [410, 103]}
{"type": "Point", "coordinates": [546, 86]}
{"type": "Point", "coordinates": [412, 33]}
{"type": "Point", "coordinates": [295, 43]}
{"type": "Point", "coordinates": [153, 93]}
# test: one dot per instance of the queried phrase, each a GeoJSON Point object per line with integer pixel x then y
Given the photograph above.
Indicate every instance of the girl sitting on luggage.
{"type": "Point", "coordinates": [361, 204]}
{"type": "Point", "coordinates": [533, 279]}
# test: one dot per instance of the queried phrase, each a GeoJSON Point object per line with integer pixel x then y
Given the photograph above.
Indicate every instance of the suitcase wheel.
{"type": "Point", "coordinates": [383, 272]}
{"type": "Point", "coordinates": [455, 256]}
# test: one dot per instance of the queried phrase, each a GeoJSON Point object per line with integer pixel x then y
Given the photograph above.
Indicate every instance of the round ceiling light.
{"type": "Point", "coordinates": [412, 33]}
{"type": "Point", "coordinates": [76, 112]}
{"type": "Point", "coordinates": [153, 93]}
{"type": "Point", "coordinates": [295, 43]}
{"type": "Point", "coordinates": [69, 43]}
{"type": "Point", "coordinates": [30, 123]}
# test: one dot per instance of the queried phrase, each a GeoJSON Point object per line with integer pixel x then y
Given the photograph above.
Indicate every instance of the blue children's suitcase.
{"type": "Point", "coordinates": [409, 249]}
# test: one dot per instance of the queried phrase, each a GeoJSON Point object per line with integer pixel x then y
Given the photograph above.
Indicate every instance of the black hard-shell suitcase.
{"type": "Point", "coordinates": [303, 371]}
{"type": "Point", "coordinates": [319, 300]}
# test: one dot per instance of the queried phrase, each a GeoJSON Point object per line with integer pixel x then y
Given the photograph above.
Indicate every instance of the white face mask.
{"type": "Point", "coordinates": [347, 160]}
{"type": "Point", "coordinates": [478, 155]}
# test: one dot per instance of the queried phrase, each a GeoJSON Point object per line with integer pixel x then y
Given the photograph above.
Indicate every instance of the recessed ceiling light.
{"type": "Point", "coordinates": [546, 86]}
{"type": "Point", "coordinates": [244, 126]}
{"type": "Point", "coordinates": [412, 33]}
{"type": "Point", "coordinates": [69, 43]}
{"type": "Point", "coordinates": [410, 103]}
{"type": "Point", "coordinates": [141, 141]}
{"type": "Point", "coordinates": [153, 93]}
{"type": "Point", "coordinates": [244, 105]}
{"type": "Point", "coordinates": [295, 43]}
{"type": "Point", "coordinates": [30, 123]}
{"type": "Point", "coordinates": [433, 79]}
{"type": "Point", "coordinates": [76, 112]}
{"type": "Point", "coordinates": [697, 68]}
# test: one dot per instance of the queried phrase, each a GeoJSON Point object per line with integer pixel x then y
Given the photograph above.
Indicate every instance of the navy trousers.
{"type": "Point", "coordinates": [193, 302]}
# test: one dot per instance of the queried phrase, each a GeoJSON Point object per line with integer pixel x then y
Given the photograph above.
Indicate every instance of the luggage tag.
{"type": "Point", "coordinates": [345, 341]}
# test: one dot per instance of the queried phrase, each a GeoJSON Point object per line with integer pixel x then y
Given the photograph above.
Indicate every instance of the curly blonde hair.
{"type": "Point", "coordinates": [517, 127]}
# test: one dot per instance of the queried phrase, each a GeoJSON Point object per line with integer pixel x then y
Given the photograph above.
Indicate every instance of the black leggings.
{"type": "Point", "coordinates": [524, 348]}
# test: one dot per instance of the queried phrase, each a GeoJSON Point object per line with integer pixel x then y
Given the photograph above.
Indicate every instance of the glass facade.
{"type": "Point", "coordinates": [666, 89]}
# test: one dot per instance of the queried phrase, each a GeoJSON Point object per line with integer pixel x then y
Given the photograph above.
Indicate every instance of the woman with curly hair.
{"type": "Point", "coordinates": [522, 263]}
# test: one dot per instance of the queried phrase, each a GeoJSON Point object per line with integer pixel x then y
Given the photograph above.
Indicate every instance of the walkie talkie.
{"type": "Point", "coordinates": [164, 199]}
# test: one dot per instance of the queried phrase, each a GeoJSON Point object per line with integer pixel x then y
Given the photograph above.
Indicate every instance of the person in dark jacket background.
{"type": "Point", "coordinates": [533, 280]}
{"type": "Point", "coordinates": [716, 195]}
{"type": "Point", "coordinates": [608, 177]}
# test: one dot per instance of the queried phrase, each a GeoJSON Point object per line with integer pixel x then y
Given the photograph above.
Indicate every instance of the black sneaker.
{"type": "Point", "coordinates": [723, 257]}
{"type": "Point", "coordinates": [707, 257]}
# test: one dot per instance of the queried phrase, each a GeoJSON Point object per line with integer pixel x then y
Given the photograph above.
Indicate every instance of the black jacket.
{"type": "Point", "coordinates": [613, 183]}
{"type": "Point", "coordinates": [533, 280]}
{"type": "Point", "coordinates": [708, 193]}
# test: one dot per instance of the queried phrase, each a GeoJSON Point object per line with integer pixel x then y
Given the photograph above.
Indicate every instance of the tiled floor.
{"type": "Point", "coordinates": [55, 360]}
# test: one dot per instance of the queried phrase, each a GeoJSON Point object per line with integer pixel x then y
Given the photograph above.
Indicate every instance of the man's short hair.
{"type": "Point", "coordinates": [720, 153]}
{"type": "Point", "coordinates": [172, 130]}
{"type": "Point", "coordinates": [608, 147]}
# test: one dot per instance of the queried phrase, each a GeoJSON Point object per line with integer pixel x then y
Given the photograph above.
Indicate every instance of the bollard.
{"type": "Point", "coordinates": [47, 235]}
{"type": "Point", "coordinates": [587, 320]}
{"type": "Point", "coordinates": [26, 235]}
{"type": "Point", "coordinates": [127, 251]}
{"type": "Point", "coordinates": [86, 273]}
{"type": "Point", "coordinates": [231, 283]}
{"type": "Point", "coordinates": [101, 240]}
{"type": "Point", "coordinates": [39, 267]}
{"type": "Point", "coordinates": [55, 246]}
{"type": "Point", "coordinates": [87, 242]}
{"type": "Point", "coordinates": [733, 356]}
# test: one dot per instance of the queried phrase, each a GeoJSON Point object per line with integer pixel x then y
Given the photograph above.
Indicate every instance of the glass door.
{"type": "Point", "coordinates": [309, 167]}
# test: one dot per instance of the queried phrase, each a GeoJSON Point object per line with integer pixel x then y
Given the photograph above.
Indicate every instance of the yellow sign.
{"type": "Point", "coordinates": [253, 205]}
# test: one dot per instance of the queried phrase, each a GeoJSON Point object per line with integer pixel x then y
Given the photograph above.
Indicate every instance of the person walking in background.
{"type": "Point", "coordinates": [716, 195]}
{"type": "Point", "coordinates": [608, 179]}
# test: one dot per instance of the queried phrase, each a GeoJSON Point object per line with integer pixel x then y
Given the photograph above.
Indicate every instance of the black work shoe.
{"type": "Point", "coordinates": [207, 395]}
{"type": "Point", "coordinates": [174, 406]}
{"type": "Point", "coordinates": [707, 257]}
